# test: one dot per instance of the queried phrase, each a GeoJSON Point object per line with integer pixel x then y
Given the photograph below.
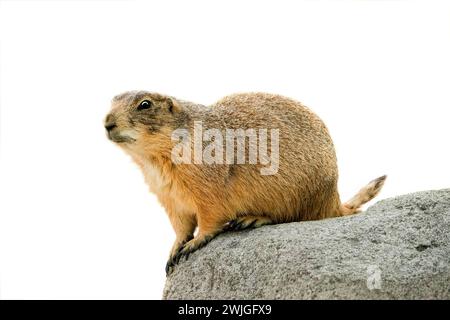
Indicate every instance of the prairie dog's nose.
{"type": "Point", "coordinates": [110, 123]}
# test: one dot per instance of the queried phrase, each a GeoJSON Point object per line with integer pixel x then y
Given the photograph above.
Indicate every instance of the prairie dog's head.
{"type": "Point", "coordinates": [142, 119]}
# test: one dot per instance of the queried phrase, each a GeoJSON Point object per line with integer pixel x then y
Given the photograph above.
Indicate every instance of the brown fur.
{"type": "Point", "coordinates": [217, 197]}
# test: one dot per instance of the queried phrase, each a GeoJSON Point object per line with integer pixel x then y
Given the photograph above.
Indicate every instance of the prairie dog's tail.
{"type": "Point", "coordinates": [364, 195]}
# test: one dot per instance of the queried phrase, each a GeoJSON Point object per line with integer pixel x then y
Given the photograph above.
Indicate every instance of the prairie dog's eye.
{"type": "Point", "coordinates": [144, 105]}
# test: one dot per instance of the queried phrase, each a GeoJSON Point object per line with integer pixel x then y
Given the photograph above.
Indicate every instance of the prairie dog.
{"type": "Point", "coordinates": [221, 196]}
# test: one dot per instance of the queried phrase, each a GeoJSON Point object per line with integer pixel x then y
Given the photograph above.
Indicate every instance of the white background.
{"type": "Point", "coordinates": [77, 220]}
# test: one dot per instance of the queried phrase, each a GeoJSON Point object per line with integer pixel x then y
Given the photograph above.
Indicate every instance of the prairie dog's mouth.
{"type": "Point", "coordinates": [121, 136]}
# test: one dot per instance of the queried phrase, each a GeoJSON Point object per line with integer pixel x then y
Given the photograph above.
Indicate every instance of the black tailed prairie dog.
{"type": "Point", "coordinates": [216, 196]}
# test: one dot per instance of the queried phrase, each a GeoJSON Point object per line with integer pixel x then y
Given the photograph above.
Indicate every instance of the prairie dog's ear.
{"type": "Point", "coordinates": [174, 106]}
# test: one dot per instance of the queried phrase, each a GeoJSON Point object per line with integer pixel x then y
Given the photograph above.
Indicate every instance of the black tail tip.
{"type": "Point", "coordinates": [379, 181]}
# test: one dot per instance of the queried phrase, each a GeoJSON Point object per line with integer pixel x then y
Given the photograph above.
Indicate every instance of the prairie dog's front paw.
{"type": "Point", "coordinates": [169, 266]}
{"type": "Point", "coordinates": [191, 246]}
{"type": "Point", "coordinates": [172, 262]}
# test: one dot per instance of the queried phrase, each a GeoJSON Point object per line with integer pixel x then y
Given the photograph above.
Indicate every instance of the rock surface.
{"type": "Point", "coordinates": [398, 249]}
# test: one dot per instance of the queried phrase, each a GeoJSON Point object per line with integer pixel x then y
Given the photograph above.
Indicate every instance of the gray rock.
{"type": "Point", "coordinates": [398, 249]}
